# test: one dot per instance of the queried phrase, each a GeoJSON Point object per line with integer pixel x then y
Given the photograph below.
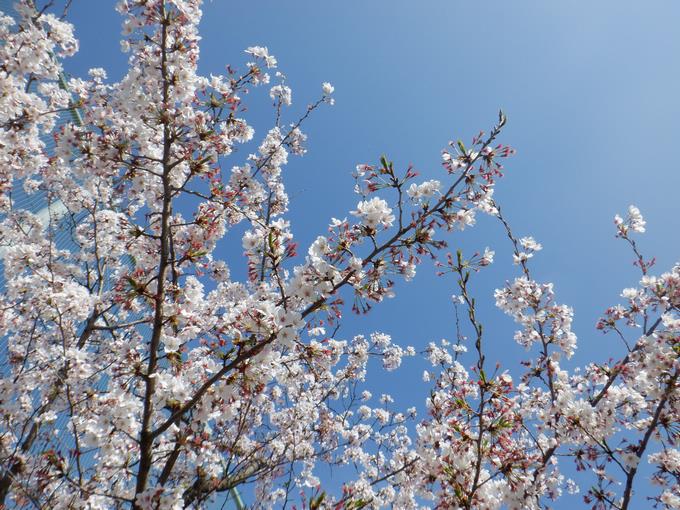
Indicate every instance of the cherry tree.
{"type": "Point", "coordinates": [140, 374]}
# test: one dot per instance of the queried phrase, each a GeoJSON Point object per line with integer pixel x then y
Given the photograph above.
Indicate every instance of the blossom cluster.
{"type": "Point", "coordinates": [142, 374]}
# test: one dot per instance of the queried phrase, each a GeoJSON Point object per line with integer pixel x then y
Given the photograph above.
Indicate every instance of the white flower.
{"type": "Point", "coordinates": [327, 88]}
{"type": "Point", "coordinates": [374, 212]}
{"type": "Point", "coordinates": [171, 343]}
{"type": "Point", "coordinates": [521, 257]}
{"type": "Point", "coordinates": [282, 92]}
{"type": "Point", "coordinates": [392, 358]}
{"type": "Point", "coordinates": [355, 263]}
{"type": "Point", "coordinates": [382, 415]}
{"type": "Point", "coordinates": [421, 192]}
{"type": "Point", "coordinates": [572, 487]}
{"type": "Point", "coordinates": [529, 243]}
{"type": "Point", "coordinates": [263, 53]}
{"type": "Point", "coordinates": [630, 459]}
{"type": "Point", "coordinates": [362, 169]}
{"type": "Point", "coordinates": [487, 257]}
{"type": "Point", "coordinates": [365, 412]}
{"type": "Point", "coordinates": [629, 293]}
{"type": "Point", "coordinates": [462, 218]}
{"type": "Point", "coordinates": [637, 222]}
{"type": "Point", "coordinates": [634, 222]}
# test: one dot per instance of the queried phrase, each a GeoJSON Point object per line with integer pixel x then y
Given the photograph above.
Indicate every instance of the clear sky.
{"type": "Point", "coordinates": [591, 93]}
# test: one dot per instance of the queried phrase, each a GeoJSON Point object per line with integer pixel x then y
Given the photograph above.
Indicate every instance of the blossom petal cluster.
{"type": "Point", "coordinates": [140, 372]}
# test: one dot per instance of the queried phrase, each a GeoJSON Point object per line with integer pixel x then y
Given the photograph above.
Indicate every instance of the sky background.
{"type": "Point", "coordinates": [591, 93]}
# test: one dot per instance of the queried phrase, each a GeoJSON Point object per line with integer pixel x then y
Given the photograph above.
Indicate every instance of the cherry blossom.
{"type": "Point", "coordinates": [141, 374]}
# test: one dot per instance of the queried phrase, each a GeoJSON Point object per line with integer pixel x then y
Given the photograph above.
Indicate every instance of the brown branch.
{"type": "Point", "coordinates": [639, 451]}
{"type": "Point", "coordinates": [146, 436]}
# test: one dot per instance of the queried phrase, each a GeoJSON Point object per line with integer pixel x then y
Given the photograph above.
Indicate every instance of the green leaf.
{"type": "Point", "coordinates": [315, 503]}
{"type": "Point", "coordinates": [385, 164]}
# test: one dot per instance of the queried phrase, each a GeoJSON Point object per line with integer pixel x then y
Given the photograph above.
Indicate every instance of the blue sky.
{"type": "Point", "coordinates": [591, 93]}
